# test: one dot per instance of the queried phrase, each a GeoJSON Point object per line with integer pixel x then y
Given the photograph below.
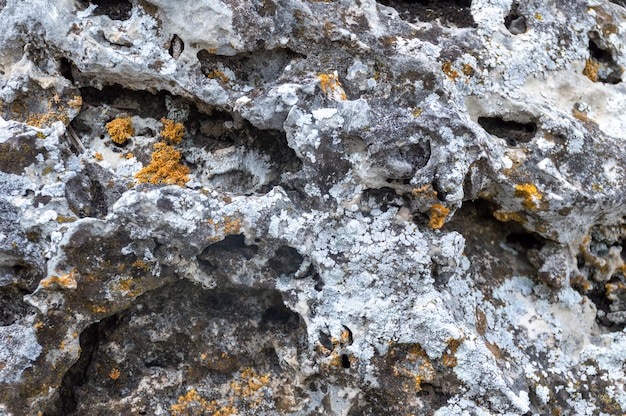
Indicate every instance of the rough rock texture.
{"type": "Point", "coordinates": [312, 207]}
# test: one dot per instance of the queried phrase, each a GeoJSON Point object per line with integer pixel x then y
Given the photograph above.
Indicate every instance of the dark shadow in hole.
{"type": "Point", "coordinates": [319, 283]}
{"type": "Point", "coordinates": [513, 132]}
{"type": "Point", "coordinates": [142, 103]}
{"type": "Point", "coordinates": [608, 72]}
{"type": "Point", "coordinates": [325, 340]}
{"type": "Point", "coordinates": [449, 12]}
{"type": "Point", "coordinates": [522, 241]}
{"type": "Point", "coordinates": [115, 9]}
{"type": "Point", "coordinates": [515, 22]}
{"type": "Point", "coordinates": [76, 376]}
{"type": "Point", "coordinates": [13, 307]}
{"type": "Point", "coordinates": [66, 68]}
{"type": "Point", "coordinates": [620, 2]}
{"type": "Point", "coordinates": [177, 46]}
{"type": "Point", "coordinates": [286, 261]}
{"type": "Point", "coordinates": [384, 197]}
{"type": "Point", "coordinates": [255, 68]}
{"type": "Point", "coordinates": [345, 361]}
{"type": "Point", "coordinates": [231, 247]}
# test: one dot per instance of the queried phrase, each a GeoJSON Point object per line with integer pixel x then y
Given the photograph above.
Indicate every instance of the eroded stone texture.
{"type": "Point", "coordinates": [376, 208]}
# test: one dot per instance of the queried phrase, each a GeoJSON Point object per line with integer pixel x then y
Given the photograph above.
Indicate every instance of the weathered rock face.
{"type": "Point", "coordinates": [310, 207]}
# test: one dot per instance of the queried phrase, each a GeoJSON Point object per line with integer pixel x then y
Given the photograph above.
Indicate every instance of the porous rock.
{"type": "Point", "coordinates": [376, 208]}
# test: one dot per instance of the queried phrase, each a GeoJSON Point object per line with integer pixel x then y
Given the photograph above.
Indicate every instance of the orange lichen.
{"type": "Point", "coordinates": [129, 155]}
{"type": "Point", "coordinates": [76, 102]}
{"type": "Point", "coordinates": [65, 281]}
{"type": "Point", "coordinates": [140, 264]}
{"type": "Point", "coordinates": [416, 367]}
{"type": "Point", "coordinates": [114, 374]}
{"type": "Point", "coordinates": [120, 129]}
{"type": "Point", "coordinates": [232, 225]}
{"type": "Point", "coordinates": [417, 112]}
{"type": "Point", "coordinates": [98, 156]}
{"type": "Point", "coordinates": [467, 70]}
{"type": "Point", "coordinates": [449, 360]}
{"type": "Point", "coordinates": [506, 216]}
{"type": "Point", "coordinates": [330, 85]}
{"type": "Point", "coordinates": [172, 132]}
{"type": "Point", "coordinates": [451, 73]}
{"type": "Point", "coordinates": [41, 120]}
{"type": "Point", "coordinates": [219, 75]}
{"type": "Point", "coordinates": [530, 194]}
{"type": "Point", "coordinates": [99, 309]}
{"type": "Point", "coordinates": [426, 190]}
{"type": "Point", "coordinates": [164, 167]}
{"type": "Point", "coordinates": [190, 404]}
{"type": "Point", "coordinates": [591, 70]}
{"type": "Point", "coordinates": [194, 404]}
{"type": "Point", "coordinates": [62, 219]}
{"type": "Point", "coordinates": [438, 214]}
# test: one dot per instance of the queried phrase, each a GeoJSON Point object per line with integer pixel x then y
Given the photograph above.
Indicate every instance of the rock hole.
{"type": "Point", "coordinates": [448, 12]}
{"type": "Point", "coordinates": [115, 9]}
{"type": "Point", "coordinates": [65, 68]}
{"type": "Point", "coordinates": [256, 68]}
{"type": "Point", "coordinates": [13, 307]}
{"type": "Point", "coordinates": [142, 103]}
{"type": "Point", "coordinates": [602, 66]}
{"type": "Point", "coordinates": [345, 361]}
{"type": "Point", "coordinates": [512, 131]}
{"type": "Point", "coordinates": [231, 249]}
{"type": "Point", "coordinates": [319, 283]}
{"type": "Point", "coordinates": [515, 22]}
{"type": "Point", "coordinates": [325, 340]}
{"type": "Point", "coordinates": [76, 376]}
{"type": "Point", "coordinates": [524, 241]}
{"type": "Point", "coordinates": [177, 46]}
{"type": "Point", "coordinates": [286, 261]}
{"type": "Point", "coordinates": [348, 339]}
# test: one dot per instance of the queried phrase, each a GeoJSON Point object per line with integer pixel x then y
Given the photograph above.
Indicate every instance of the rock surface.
{"type": "Point", "coordinates": [318, 207]}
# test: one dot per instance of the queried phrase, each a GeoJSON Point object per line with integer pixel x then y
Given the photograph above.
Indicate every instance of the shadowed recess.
{"type": "Point", "coordinates": [448, 12]}
{"type": "Point", "coordinates": [512, 131]}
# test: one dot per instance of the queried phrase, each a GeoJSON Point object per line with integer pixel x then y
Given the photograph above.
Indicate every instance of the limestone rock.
{"type": "Point", "coordinates": [376, 207]}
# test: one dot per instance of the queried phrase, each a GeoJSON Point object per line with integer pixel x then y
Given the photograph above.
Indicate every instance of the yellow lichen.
{"type": "Point", "coordinates": [140, 264]}
{"type": "Point", "coordinates": [120, 129]}
{"type": "Point", "coordinates": [438, 214]}
{"type": "Point", "coordinates": [530, 195]}
{"type": "Point", "coordinates": [76, 102]}
{"type": "Point", "coordinates": [451, 73]}
{"type": "Point", "coordinates": [416, 367]}
{"type": "Point", "coordinates": [114, 374]}
{"type": "Point", "coordinates": [62, 219]}
{"type": "Point", "coordinates": [65, 281]}
{"type": "Point", "coordinates": [426, 190]}
{"type": "Point", "coordinates": [591, 70]}
{"type": "Point", "coordinates": [190, 404]}
{"type": "Point", "coordinates": [98, 156]}
{"type": "Point", "coordinates": [172, 132]}
{"type": "Point", "coordinates": [330, 85]}
{"type": "Point", "coordinates": [417, 112]}
{"type": "Point", "coordinates": [164, 167]}
{"type": "Point", "coordinates": [506, 216]}
{"type": "Point", "coordinates": [449, 360]}
{"type": "Point", "coordinates": [219, 75]}
{"type": "Point", "coordinates": [193, 404]}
